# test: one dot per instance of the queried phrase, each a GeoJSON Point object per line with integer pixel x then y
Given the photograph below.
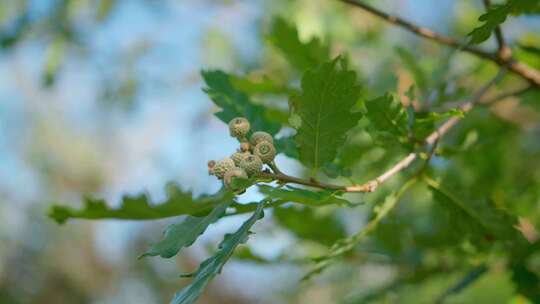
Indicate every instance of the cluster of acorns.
{"type": "Point", "coordinates": [249, 159]}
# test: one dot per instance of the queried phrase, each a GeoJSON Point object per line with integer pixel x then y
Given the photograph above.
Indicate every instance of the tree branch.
{"type": "Point", "coordinates": [502, 59]}
{"type": "Point", "coordinates": [372, 185]}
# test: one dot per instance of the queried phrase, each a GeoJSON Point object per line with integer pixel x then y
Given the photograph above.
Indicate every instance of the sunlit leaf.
{"type": "Point", "coordinates": [497, 14]}
{"type": "Point", "coordinates": [324, 106]}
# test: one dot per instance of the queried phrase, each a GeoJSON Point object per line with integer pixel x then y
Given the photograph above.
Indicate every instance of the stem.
{"type": "Point", "coordinates": [502, 59]}
{"type": "Point", "coordinates": [372, 185]}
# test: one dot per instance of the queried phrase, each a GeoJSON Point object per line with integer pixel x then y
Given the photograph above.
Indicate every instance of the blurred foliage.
{"type": "Point", "coordinates": [346, 98]}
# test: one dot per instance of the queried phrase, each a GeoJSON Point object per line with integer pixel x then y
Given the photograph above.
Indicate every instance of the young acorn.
{"type": "Point", "coordinates": [234, 172]}
{"type": "Point", "coordinates": [239, 127]}
{"type": "Point", "coordinates": [252, 164]}
{"type": "Point", "coordinates": [265, 151]}
{"type": "Point", "coordinates": [238, 156]}
{"type": "Point", "coordinates": [222, 166]}
{"type": "Point", "coordinates": [259, 136]}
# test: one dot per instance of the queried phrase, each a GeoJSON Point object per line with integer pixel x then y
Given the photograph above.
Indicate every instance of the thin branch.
{"type": "Point", "coordinates": [372, 185]}
{"type": "Point", "coordinates": [502, 59]}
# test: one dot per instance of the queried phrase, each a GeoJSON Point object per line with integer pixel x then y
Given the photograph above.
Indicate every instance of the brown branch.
{"type": "Point", "coordinates": [372, 185]}
{"type": "Point", "coordinates": [502, 59]}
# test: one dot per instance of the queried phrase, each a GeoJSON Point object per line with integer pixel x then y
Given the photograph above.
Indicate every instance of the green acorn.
{"type": "Point", "coordinates": [222, 166]}
{"type": "Point", "coordinates": [238, 156]}
{"type": "Point", "coordinates": [252, 164]}
{"type": "Point", "coordinates": [265, 151]}
{"type": "Point", "coordinates": [239, 127]}
{"type": "Point", "coordinates": [234, 172]}
{"type": "Point", "coordinates": [259, 136]}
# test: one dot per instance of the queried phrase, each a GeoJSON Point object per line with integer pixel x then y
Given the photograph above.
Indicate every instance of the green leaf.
{"type": "Point", "coordinates": [424, 122]}
{"type": "Point", "coordinates": [389, 120]}
{"type": "Point", "coordinates": [213, 265]}
{"type": "Point", "coordinates": [302, 196]}
{"type": "Point", "coordinates": [497, 14]}
{"type": "Point", "coordinates": [324, 106]}
{"type": "Point", "coordinates": [473, 219]}
{"type": "Point", "coordinates": [184, 234]}
{"type": "Point", "coordinates": [235, 103]}
{"type": "Point", "coordinates": [139, 207]}
{"type": "Point", "coordinates": [305, 223]}
{"type": "Point", "coordinates": [302, 56]}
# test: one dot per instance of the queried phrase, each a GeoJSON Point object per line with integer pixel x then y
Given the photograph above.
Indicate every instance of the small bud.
{"type": "Point", "coordinates": [259, 136]}
{"type": "Point", "coordinates": [265, 151]}
{"type": "Point", "coordinates": [244, 147]}
{"type": "Point", "coordinates": [239, 127]}
{"type": "Point", "coordinates": [252, 164]}
{"type": "Point", "coordinates": [211, 165]}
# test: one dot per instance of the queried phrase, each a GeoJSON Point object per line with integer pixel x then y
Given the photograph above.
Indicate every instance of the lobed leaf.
{"type": "Point", "coordinates": [212, 266]}
{"type": "Point", "coordinates": [140, 207]}
{"type": "Point", "coordinates": [184, 234]}
{"type": "Point", "coordinates": [388, 118]}
{"type": "Point", "coordinates": [324, 107]}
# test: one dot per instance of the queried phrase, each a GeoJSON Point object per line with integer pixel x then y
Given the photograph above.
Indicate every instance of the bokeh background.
{"type": "Point", "coordinates": [104, 97]}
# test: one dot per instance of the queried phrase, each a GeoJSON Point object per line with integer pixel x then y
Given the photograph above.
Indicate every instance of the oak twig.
{"type": "Point", "coordinates": [502, 58]}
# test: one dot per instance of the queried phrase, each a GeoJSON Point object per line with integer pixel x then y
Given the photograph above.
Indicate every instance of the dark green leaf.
{"type": "Point", "coordinates": [302, 56]}
{"type": "Point", "coordinates": [139, 207]}
{"type": "Point", "coordinates": [388, 119]}
{"type": "Point", "coordinates": [324, 106]}
{"type": "Point", "coordinates": [213, 265]}
{"type": "Point", "coordinates": [235, 103]}
{"type": "Point", "coordinates": [302, 196]}
{"type": "Point", "coordinates": [497, 14]}
{"type": "Point", "coordinates": [184, 234]}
